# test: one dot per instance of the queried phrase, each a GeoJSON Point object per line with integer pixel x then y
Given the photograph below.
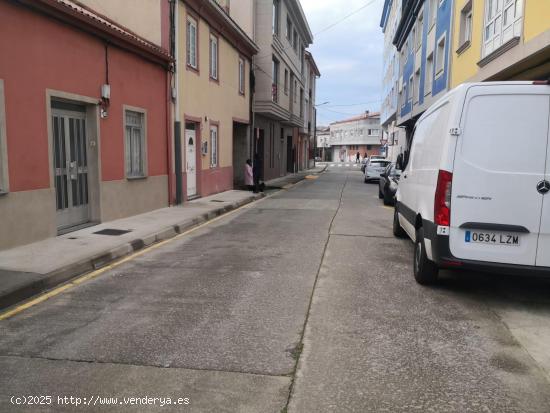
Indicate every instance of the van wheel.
{"type": "Point", "coordinates": [398, 232]}
{"type": "Point", "coordinates": [387, 199]}
{"type": "Point", "coordinates": [425, 271]}
{"type": "Point", "coordinates": [380, 194]}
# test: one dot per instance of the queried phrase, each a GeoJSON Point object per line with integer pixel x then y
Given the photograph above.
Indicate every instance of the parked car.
{"type": "Point", "coordinates": [471, 196]}
{"type": "Point", "coordinates": [387, 184]}
{"type": "Point", "coordinates": [374, 168]}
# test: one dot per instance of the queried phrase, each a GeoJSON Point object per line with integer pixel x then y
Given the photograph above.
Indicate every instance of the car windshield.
{"type": "Point", "coordinates": [377, 164]}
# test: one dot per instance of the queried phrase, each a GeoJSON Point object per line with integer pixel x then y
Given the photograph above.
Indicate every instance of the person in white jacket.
{"type": "Point", "coordinates": [248, 175]}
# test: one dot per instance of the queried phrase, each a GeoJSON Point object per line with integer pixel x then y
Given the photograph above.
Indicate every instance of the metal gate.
{"type": "Point", "coordinates": [70, 168]}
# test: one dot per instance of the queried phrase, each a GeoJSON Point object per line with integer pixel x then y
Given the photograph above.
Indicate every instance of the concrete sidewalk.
{"type": "Point", "coordinates": [31, 269]}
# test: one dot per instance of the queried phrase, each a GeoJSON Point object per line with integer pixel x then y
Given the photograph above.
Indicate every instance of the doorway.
{"type": "Point", "coordinates": [191, 159]}
{"type": "Point", "coordinates": [70, 153]}
{"type": "Point", "coordinates": [289, 155]}
{"type": "Point", "coordinates": [241, 152]}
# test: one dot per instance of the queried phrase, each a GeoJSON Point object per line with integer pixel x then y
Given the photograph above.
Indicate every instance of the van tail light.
{"type": "Point", "coordinates": [442, 207]}
{"type": "Point", "coordinates": [541, 82]}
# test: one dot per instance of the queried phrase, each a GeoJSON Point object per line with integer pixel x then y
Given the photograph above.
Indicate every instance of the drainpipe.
{"type": "Point", "coordinates": [178, 167]}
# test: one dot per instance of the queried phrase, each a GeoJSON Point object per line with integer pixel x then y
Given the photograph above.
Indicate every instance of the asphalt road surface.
{"type": "Point", "coordinates": [301, 302]}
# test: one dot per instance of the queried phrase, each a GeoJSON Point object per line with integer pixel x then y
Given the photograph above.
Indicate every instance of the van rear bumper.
{"type": "Point", "coordinates": [442, 256]}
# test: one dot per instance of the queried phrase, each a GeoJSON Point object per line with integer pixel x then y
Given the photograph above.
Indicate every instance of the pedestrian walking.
{"type": "Point", "coordinates": [248, 175]}
{"type": "Point", "coordinates": [358, 157]}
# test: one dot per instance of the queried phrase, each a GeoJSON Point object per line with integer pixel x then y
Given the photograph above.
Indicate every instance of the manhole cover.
{"type": "Point", "coordinates": [112, 232]}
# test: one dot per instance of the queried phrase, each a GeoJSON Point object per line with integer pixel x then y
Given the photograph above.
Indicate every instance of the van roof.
{"type": "Point", "coordinates": [463, 88]}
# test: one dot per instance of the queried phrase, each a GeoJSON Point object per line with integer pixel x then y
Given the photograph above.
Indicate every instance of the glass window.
{"type": "Point", "coordinates": [288, 29]}
{"type": "Point", "coordinates": [192, 42]}
{"type": "Point", "coordinates": [502, 23]}
{"type": "Point", "coordinates": [135, 144]}
{"type": "Point", "coordinates": [440, 57]}
{"type": "Point", "coordinates": [275, 80]}
{"type": "Point", "coordinates": [242, 82]}
{"type": "Point", "coordinates": [429, 74]}
{"type": "Point", "coordinates": [275, 17]}
{"type": "Point", "coordinates": [466, 23]}
{"type": "Point", "coordinates": [213, 146]}
{"type": "Point", "coordinates": [213, 57]}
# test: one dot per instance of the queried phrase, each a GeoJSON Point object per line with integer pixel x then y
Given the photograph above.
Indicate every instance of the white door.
{"type": "Point", "coordinates": [191, 162]}
{"type": "Point", "coordinates": [70, 168]}
{"type": "Point", "coordinates": [543, 187]}
{"type": "Point", "coordinates": [500, 158]}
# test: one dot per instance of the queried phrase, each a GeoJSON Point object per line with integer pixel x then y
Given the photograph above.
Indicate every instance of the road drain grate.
{"type": "Point", "coordinates": [216, 200]}
{"type": "Point", "coordinates": [112, 232]}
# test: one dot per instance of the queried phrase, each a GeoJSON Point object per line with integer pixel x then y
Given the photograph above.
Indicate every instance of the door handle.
{"type": "Point", "coordinates": [73, 170]}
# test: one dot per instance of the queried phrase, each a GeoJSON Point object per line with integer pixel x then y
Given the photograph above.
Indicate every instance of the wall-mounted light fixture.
{"type": "Point", "coordinates": [105, 100]}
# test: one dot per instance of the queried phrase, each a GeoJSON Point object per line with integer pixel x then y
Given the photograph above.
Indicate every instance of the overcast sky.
{"type": "Point", "coordinates": [349, 56]}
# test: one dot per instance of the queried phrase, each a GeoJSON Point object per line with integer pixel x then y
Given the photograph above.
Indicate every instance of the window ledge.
{"type": "Point", "coordinates": [136, 178]}
{"type": "Point", "coordinates": [465, 46]}
{"type": "Point", "coordinates": [499, 52]}
{"type": "Point", "coordinates": [192, 68]}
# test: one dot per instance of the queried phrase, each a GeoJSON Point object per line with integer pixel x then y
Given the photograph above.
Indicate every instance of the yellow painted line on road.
{"type": "Point", "coordinates": [312, 177]}
{"type": "Point", "coordinates": [87, 277]}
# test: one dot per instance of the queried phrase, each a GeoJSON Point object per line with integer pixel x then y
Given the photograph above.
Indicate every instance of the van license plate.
{"type": "Point", "coordinates": [492, 238]}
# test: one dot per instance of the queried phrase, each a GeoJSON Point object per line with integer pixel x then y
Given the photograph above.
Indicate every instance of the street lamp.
{"type": "Point", "coordinates": [321, 104]}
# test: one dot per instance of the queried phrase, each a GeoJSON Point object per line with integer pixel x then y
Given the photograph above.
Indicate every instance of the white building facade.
{"type": "Point", "coordinates": [360, 134]}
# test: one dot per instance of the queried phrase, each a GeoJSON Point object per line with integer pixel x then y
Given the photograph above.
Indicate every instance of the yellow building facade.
{"type": "Point", "coordinates": [214, 63]}
{"type": "Point", "coordinates": [500, 40]}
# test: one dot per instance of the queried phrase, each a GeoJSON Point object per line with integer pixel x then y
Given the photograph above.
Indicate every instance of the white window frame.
{"type": "Point", "coordinates": [214, 145]}
{"type": "Point", "coordinates": [192, 46]}
{"type": "Point", "coordinates": [496, 31]}
{"type": "Point", "coordinates": [4, 178]}
{"type": "Point", "coordinates": [434, 5]}
{"type": "Point", "coordinates": [416, 87]}
{"type": "Point", "coordinates": [419, 30]}
{"type": "Point", "coordinates": [128, 140]}
{"type": "Point", "coordinates": [242, 75]}
{"type": "Point", "coordinates": [411, 89]}
{"type": "Point", "coordinates": [440, 58]}
{"type": "Point", "coordinates": [429, 74]}
{"type": "Point", "coordinates": [214, 56]}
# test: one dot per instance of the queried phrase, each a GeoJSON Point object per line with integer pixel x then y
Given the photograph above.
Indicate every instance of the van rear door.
{"type": "Point", "coordinates": [500, 158]}
{"type": "Point", "coordinates": [543, 252]}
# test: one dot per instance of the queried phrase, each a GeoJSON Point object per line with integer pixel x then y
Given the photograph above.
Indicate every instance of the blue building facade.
{"type": "Point", "coordinates": [391, 134]}
{"type": "Point", "coordinates": [391, 15]}
{"type": "Point", "coordinates": [423, 41]}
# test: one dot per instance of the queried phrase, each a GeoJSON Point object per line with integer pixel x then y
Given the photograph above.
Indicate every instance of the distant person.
{"type": "Point", "coordinates": [358, 157]}
{"type": "Point", "coordinates": [248, 175]}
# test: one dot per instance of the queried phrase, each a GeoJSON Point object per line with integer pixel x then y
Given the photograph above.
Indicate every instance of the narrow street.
{"type": "Point", "coordinates": [302, 302]}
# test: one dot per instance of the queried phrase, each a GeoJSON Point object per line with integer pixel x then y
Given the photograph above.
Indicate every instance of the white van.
{"type": "Point", "coordinates": [475, 190]}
